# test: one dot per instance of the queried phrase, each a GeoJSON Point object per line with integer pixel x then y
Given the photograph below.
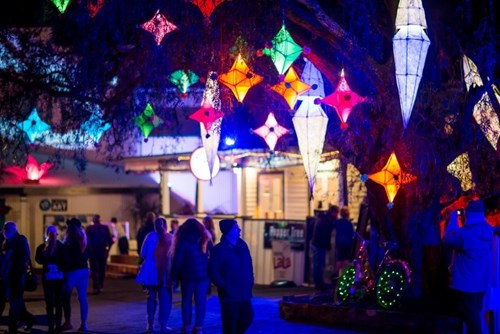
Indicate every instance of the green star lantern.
{"type": "Point", "coordinates": [183, 80]}
{"type": "Point", "coordinates": [284, 50]}
{"type": "Point", "coordinates": [147, 121]}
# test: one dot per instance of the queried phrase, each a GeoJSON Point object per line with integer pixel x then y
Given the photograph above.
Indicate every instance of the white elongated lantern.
{"type": "Point", "coordinates": [410, 45]}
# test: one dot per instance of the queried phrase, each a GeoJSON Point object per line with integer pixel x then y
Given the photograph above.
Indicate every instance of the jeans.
{"type": "Point", "coordinates": [319, 257]}
{"type": "Point", "coordinates": [76, 279]}
{"type": "Point", "coordinates": [163, 296]}
{"type": "Point", "coordinates": [52, 292]}
{"type": "Point", "coordinates": [199, 290]}
{"type": "Point", "coordinates": [236, 317]}
{"type": "Point", "coordinates": [469, 306]}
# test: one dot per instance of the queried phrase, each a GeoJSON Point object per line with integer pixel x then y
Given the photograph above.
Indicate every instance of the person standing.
{"type": "Point", "coordinates": [231, 270]}
{"type": "Point", "coordinates": [99, 243]}
{"type": "Point", "coordinates": [321, 244]}
{"type": "Point", "coordinates": [154, 274]}
{"type": "Point", "coordinates": [17, 252]}
{"type": "Point", "coordinates": [471, 263]}
{"type": "Point", "coordinates": [145, 229]}
{"type": "Point", "coordinates": [76, 268]}
{"type": "Point", "coordinates": [208, 222]}
{"type": "Point", "coordinates": [190, 267]}
{"type": "Point", "coordinates": [49, 255]}
{"type": "Point", "coordinates": [344, 234]}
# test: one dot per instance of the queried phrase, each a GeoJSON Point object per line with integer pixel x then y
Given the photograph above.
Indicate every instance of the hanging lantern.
{"type": "Point", "coordinates": [310, 122]}
{"type": "Point", "coordinates": [147, 121]}
{"type": "Point", "coordinates": [32, 172]}
{"type": "Point", "coordinates": [239, 78]}
{"type": "Point", "coordinates": [33, 126]}
{"type": "Point", "coordinates": [313, 77]}
{"type": "Point", "coordinates": [471, 74]}
{"type": "Point", "coordinates": [159, 26]}
{"type": "Point", "coordinates": [291, 88]}
{"type": "Point", "coordinates": [271, 131]}
{"type": "Point", "coordinates": [94, 6]}
{"type": "Point", "coordinates": [284, 50]}
{"type": "Point", "coordinates": [343, 100]}
{"type": "Point", "coordinates": [61, 5]}
{"type": "Point", "coordinates": [207, 6]}
{"type": "Point", "coordinates": [391, 177]}
{"type": "Point", "coordinates": [183, 80]}
{"type": "Point", "coordinates": [206, 115]}
{"type": "Point", "coordinates": [410, 45]}
{"type": "Point", "coordinates": [95, 127]}
{"type": "Point", "coordinates": [198, 164]}
{"type": "Point", "coordinates": [460, 168]}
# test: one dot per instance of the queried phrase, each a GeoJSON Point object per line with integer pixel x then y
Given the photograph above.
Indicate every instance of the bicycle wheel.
{"type": "Point", "coordinates": [345, 284]}
{"type": "Point", "coordinates": [392, 284]}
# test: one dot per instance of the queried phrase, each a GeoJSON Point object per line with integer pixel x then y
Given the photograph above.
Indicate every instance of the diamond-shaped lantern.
{"type": "Point", "coordinates": [284, 50]}
{"type": "Point", "coordinates": [32, 172]}
{"type": "Point", "coordinates": [313, 77]}
{"type": "Point", "coordinates": [271, 131]}
{"type": "Point", "coordinates": [410, 45]}
{"type": "Point", "coordinates": [159, 26]}
{"type": "Point", "coordinates": [183, 79]}
{"type": "Point", "coordinates": [206, 115]}
{"type": "Point", "coordinates": [207, 6]}
{"type": "Point", "coordinates": [291, 87]}
{"type": "Point", "coordinates": [460, 168]}
{"type": "Point", "coordinates": [33, 126]}
{"type": "Point", "coordinates": [239, 78]}
{"type": "Point", "coordinates": [147, 121]}
{"type": "Point", "coordinates": [61, 5]}
{"type": "Point", "coordinates": [343, 100]}
{"type": "Point", "coordinates": [391, 177]}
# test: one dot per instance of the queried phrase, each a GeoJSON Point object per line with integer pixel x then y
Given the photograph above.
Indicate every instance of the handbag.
{"type": "Point", "coordinates": [31, 281]}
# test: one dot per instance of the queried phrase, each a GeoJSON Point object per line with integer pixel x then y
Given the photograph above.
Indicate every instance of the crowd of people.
{"type": "Point", "coordinates": [187, 256]}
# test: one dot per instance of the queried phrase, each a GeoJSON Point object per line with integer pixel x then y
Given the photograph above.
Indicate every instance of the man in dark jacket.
{"type": "Point", "coordinates": [17, 251]}
{"type": "Point", "coordinates": [231, 270]}
{"type": "Point", "coordinates": [99, 243]}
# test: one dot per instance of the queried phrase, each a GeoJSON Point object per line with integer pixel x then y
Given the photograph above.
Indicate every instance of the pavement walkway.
{"type": "Point", "coordinates": [121, 308]}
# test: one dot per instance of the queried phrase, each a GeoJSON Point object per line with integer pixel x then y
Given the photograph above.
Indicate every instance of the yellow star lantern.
{"type": "Point", "coordinates": [391, 177]}
{"type": "Point", "coordinates": [291, 87]}
{"type": "Point", "coordinates": [460, 168]}
{"type": "Point", "coordinates": [240, 79]}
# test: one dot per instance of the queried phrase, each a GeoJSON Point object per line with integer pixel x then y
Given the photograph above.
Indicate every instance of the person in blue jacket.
{"type": "Point", "coordinates": [471, 264]}
{"type": "Point", "coordinates": [231, 270]}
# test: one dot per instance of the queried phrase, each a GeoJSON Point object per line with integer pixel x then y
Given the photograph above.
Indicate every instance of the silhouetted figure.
{"type": "Point", "coordinates": [146, 227]}
{"type": "Point", "coordinates": [99, 242]}
{"type": "Point", "coordinates": [344, 233]}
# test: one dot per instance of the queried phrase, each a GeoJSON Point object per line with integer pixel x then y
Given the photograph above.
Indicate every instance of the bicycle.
{"type": "Point", "coordinates": [388, 284]}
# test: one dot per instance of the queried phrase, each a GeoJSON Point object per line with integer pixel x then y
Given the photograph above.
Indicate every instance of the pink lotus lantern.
{"type": "Point", "coordinates": [32, 172]}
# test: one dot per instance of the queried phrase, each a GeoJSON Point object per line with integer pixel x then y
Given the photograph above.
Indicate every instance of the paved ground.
{"type": "Point", "coordinates": [121, 308]}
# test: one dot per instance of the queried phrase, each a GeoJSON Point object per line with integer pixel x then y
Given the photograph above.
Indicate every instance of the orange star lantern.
{"type": "Point", "coordinates": [291, 87]}
{"type": "Point", "coordinates": [392, 177]}
{"type": "Point", "coordinates": [240, 79]}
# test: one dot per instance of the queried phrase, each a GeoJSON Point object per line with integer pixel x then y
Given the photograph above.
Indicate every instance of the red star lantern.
{"type": "Point", "coordinates": [94, 6]}
{"type": "Point", "coordinates": [32, 172]}
{"type": "Point", "coordinates": [207, 6]}
{"type": "Point", "coordinates": [391, 177]}
{"type": "Point", "coordinates": [240, 79]}
{"type": "Point", "coordinates": [271, 131]}
{"type": "Point", "coordinates": [207, 115]}
{"type": "Point", "coordinates": [159, 26]}
{"type": "Point", "coordinates": [343, 100]}
{"type": "Point", "coordinates": [291, 87]}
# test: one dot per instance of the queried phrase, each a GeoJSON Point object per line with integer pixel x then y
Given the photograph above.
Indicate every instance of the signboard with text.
{"type": "Point", "coordinates": [294, 232]}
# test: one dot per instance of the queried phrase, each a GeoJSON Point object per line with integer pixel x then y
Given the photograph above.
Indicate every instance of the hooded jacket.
{"type": "Point", "coordinates": [472, 252]}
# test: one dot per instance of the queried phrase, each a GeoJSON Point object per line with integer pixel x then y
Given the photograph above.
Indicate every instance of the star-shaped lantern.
{"type": "Point", "coordinates": [410, 45]}
{"type": "Point", "coordinates": [391, 177]}
{"type": "Point", "coordinates": [313, 77]}
{"type": "Point", "coordinates": [33, 126]}
{"type": "Point", "coordinates": [207, 115]}
{"type": "Point", "coordinates": [239, 78]}
{"type": "Point", "coordinates": [32, 172]}
{"type": "Point", "coordinates": [147, 121]}
{"type": "Point", "coordinates": [207, 6]}
{"type": "Point", "coordinates": [284, 50]}
{"type": "Point", "coordinates": [159, 26]}
{"type": "Point", "coordinates": [183, 79]}
{"type": "Point", "coordinates": [61, 5]}
{"type": "Point", "coordinates": [460, 168]}
{"type": "Point", "coordinates": [94, 6]}
{"type": "Point", "coordinates": [95, 127]}
{"type": "Point", "coordinates": [291, 87]}
{"type": "Point", "coordinates": [271, 131]}
{"type": "Point", "coordinates": [343, 100]}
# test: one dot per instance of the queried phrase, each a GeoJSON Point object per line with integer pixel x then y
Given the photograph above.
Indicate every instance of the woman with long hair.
{"type": "Point", "coordinates": [75, 264]}
{"type": "Point", "coordinates": [190, 267]}
{"type": "Point", "coordinates": [154, 274]}
{"type": "Point", "coordinates": [208, 222]}
{"type": "Point", "coordinates": [49, 254]}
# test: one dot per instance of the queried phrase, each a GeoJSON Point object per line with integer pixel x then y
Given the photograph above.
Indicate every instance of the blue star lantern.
{"type": "Point", "coordinates": [33, 126]}
{"type": "Point", "coordinates": [95, 127]}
